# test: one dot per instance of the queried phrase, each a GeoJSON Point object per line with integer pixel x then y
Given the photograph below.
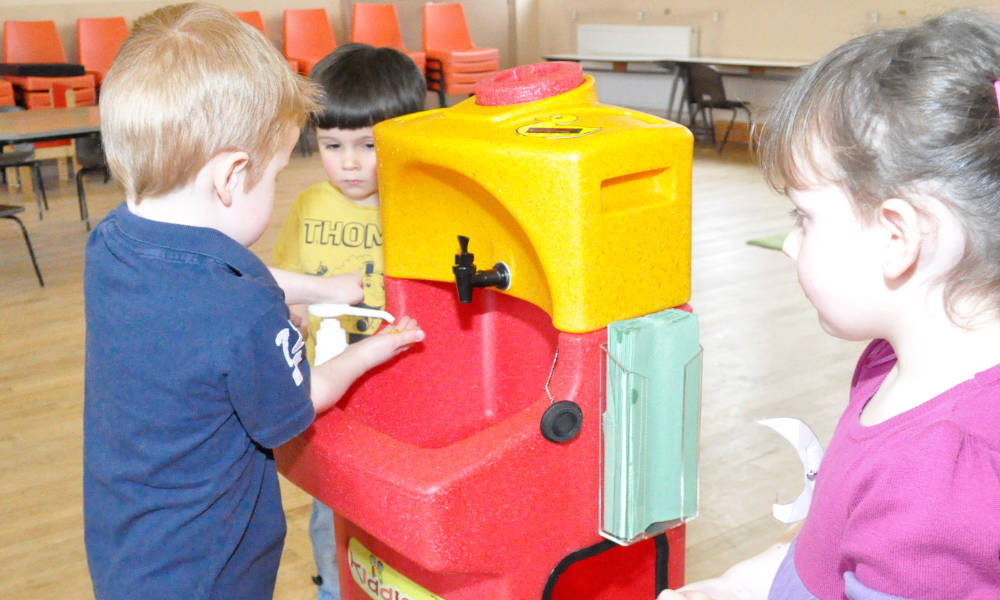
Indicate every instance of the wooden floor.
{"type": "Point", "coordinates": [764, 356]}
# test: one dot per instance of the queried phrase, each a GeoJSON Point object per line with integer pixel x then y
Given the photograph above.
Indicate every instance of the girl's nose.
{"type": "Point", "coordinates": [792, 243]}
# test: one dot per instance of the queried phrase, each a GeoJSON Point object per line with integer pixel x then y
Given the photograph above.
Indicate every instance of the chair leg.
{"type": "Point", "coordinates": [40, 196]}
{"type": "Point", "coordinates": [81, 198]}
{"type": "Point", "coordinates": [31, 250]}
{"type": "Point", "coordinates": [442, 95]}
{"type": "Point", "coordinates": [710, 123]}
{"type": "Point", "coordinates": [436, 68]}
{"type": "Point", "coordinates": [729, 130]}
{"type": "Point", "coordinates": [751, 145]}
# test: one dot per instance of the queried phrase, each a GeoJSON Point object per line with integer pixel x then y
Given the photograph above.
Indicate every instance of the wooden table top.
{"type": "Point", "coordinates": [711, 60]}
{"type": "Point", "coordinates": [48, 124]}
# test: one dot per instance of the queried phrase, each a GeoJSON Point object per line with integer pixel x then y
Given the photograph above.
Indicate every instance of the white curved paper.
{"type": "Point", "coordinates": [810, 452]}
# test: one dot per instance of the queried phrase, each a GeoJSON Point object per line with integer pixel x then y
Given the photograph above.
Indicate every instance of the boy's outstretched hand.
{"type": "Point", "coordinates": [391, 340]}
{"type": "Point", "coordinates": [331, 379]}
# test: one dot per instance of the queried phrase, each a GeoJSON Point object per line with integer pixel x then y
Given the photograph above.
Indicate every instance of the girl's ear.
{"type": "Point", "coordinates": [902, 224]}
{"type": "Point", "coordinates": [228, 170]}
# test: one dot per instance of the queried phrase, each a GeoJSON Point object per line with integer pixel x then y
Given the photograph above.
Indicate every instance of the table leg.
{"type": "Point", "coordinates": [11, 175]}
{"type": "Point", "coordinates": [680, 79]}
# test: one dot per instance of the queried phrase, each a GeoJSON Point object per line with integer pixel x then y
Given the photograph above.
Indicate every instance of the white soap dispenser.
{"type": "Point", "coordinates": [331, 339]}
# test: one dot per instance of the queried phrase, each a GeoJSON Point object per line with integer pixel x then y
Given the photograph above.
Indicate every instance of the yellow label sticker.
{"type": "Point", "coordinates": [379, 580]}
{"type": "Point", "coordinates": [556, 127]}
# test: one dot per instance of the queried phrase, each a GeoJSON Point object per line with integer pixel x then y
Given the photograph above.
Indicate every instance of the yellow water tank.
{"type": "Point", "coordinates": [589, 205]}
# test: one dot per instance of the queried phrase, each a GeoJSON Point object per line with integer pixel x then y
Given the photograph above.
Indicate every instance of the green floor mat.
{"type": "Point", "coordinates": [771, 242]}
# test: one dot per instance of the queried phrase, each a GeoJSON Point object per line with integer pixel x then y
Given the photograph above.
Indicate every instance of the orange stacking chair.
{"type": "Point", "coordinates": [6, 93]}
{"type": "Point", "coordinates": [255, 20]}
{"type": "Point", "coordinates": [378, 25]}
{"type": "Point", "coordinates": [308, 37]}
{"type": "Point", "coordinates": [252, 17]}
{"type": "Point", "coordinates": [97, 42]}
{"type": "Point", "coordinates": [38, 42]}
{"type": "Point", "coordinates": [454, 63]}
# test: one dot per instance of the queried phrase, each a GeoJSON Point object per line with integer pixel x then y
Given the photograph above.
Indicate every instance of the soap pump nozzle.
{"type": "Point", "coordinates": [467, 277]}
{"type": "Point", "coordinates": [331, 339]}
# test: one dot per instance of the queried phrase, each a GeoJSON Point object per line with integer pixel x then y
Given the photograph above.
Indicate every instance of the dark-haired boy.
{"type": "Point", "coordinates": [334, 226]}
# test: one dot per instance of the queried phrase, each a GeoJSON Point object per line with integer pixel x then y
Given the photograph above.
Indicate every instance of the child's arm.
{"type": "Point", "coordinates": [747, 580]}
{"type": "Point", "coordinates": [300, 288]}
{"type": "Point", "coordinates": [331, 379]}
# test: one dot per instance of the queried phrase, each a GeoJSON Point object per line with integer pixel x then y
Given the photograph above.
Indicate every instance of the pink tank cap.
{"type": "Point", "coordinates": [528, 83]}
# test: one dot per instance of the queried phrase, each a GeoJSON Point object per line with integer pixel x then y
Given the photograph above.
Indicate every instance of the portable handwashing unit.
{"type": "Point", "coordinates": [542, 441]}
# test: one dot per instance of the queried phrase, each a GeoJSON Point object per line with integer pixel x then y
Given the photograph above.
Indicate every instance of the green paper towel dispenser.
{"type": "Point", "coordinates": [651, 423]}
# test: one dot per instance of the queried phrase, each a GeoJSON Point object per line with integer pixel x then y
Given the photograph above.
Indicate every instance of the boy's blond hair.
{"type": "Point", "coordinates": [190, 82]}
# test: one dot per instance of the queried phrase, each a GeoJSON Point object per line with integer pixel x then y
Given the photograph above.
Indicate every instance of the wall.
{"type": "Point", "coordinates": [772, 29]}
{"type": "Point", "coordinates": [804, 29]}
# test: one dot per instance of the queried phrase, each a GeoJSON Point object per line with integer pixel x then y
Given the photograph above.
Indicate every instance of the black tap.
{"type": "Point", "coordinates": [467, 277]}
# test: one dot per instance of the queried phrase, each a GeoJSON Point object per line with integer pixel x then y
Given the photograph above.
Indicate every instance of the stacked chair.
{"type": "Point", "coordinates": [97, 43]}
{"type": "Point", "coordinates": [454, 63]}
{"type": "Point", "coordinates": [308, 37]}
{"type": "Point", "coordinates": [252, 18]}
{"type": "Point", "coordinates": [34, 42]}
{"type": "Point", "coordinates": [378, 25]}
{"type": "Point", "coordinates": [255, 20]}
{"type": "Point", "coordinates": [6, 93]}
{"type": "Point", "coordinates": [35, 45]}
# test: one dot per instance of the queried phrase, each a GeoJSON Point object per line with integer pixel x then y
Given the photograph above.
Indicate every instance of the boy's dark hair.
{"type": "Point", "coordinates": [903, 113]}
{"type": "Point", "coordinates": [363, 85]}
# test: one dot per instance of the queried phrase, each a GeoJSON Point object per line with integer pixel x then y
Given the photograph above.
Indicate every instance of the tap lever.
{"type": "Point", "coordinates": [464, 258]}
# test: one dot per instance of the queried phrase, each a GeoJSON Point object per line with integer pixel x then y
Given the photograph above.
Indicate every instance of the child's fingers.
{"type": "Point", "coordinates": [386, 344]}
{"type": "Point", "coordinates": [402, 324]}
{"type": "Point", "coordinates": [405, 323]}
{"type": "Point", "coordinates": [406, 337]}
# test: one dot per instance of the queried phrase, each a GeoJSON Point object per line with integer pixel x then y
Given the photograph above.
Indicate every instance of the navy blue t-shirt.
{"type": "Point", "coordinates": [193, 374]}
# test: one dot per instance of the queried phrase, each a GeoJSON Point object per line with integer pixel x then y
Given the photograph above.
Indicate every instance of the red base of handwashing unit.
{"type": "Point", "coordinates": [435, 464]}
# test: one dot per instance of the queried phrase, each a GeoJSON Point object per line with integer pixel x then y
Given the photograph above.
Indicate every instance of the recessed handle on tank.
{"type": "Point", "coordinates": [467, 277]}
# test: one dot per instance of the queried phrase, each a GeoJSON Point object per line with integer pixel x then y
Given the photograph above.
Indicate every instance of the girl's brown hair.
{"type": "Point", "coordinates": [900, 114]}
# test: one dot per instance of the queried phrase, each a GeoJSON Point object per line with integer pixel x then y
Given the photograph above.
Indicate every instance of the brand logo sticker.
{"type": "Point", "coordinates": [380, 581]}
{"type": "Point", "coordinates": [556, 127]}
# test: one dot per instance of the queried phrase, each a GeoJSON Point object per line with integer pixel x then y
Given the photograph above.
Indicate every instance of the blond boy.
{"type": "Point", "coordinates": [193, 371]}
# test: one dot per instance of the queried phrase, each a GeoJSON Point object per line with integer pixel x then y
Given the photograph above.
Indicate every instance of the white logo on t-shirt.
{"type": "Point", "coordinates": [294, 356]}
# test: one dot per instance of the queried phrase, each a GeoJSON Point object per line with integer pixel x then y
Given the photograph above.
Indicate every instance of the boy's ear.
{"type": "Point", "coordinates": [228, 171]}
{"type": "Point", "coordinates": [902, 224]}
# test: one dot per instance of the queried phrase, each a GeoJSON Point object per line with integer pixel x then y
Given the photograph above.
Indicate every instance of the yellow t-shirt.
{"type": "Point", "coordinates": [327, 234]}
